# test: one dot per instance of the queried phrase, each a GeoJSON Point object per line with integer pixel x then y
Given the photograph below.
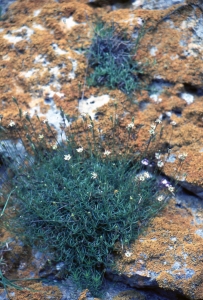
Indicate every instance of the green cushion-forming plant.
{"type": "Point", "coordinates": [111, 58]}
{"type": "Point", "coordinates": [78, 207]}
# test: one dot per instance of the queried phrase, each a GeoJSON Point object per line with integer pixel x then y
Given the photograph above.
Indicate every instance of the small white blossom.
{"type": "Point", "coordinates": [158, 121]}
{"type": "Point", "coordinates": [41, 136]}
{"type": "Point", "coordinates": [79, 149]}
{"type": "Point", "coordinates": [130, 126]}
{"type": "Point", "coordinates": [12, 124]}
{"type": "Point", "coordinates": [67, 157]}
{"type": "Point", "coordinates": [45, 121]}
{"type": "Point", "coordinates": [182, 156]}
{"type": "Point", "coordinates": [173, 123]}
{"type": "Point", "coordinates": [141, 177]}
{"type": "Point", "coordinates": [89, 125]}
{"type": "Point", "coordinates": [160, 163]}
{"type": "Point", "coordinates": [128, 253]}
{"type": "Point", "coordinates": [153, 126]}
{"type": "Point", "coordinates": [160, 198]}
{"type": "Point", "coordinates": [171, 188]}
{"type": "Point", "coordinates": [94, 175]}
{"type": "Point", "coordinates": [157, 155]}
{"type": "Point", "coordinates": [145, 162]}
{"type": "Point", "coordinates": [165, 182]}
{"type": "Point", "coordinates": [25, 113]}
{"type": "Point", "coordinates": [107, 152]}
{"type": "Point", "coordinates": [152, 132]}
{"type": "Point", "coordinates": [146, 175]}
{"type": "Point", "coordinates": [54, 147]}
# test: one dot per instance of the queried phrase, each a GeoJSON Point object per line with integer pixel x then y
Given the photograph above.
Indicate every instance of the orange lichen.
{"type": "Point", "coordinates": [35, 291]}
{"type": "Point", "coordinates": [169, 239]}
{"type": "Point", "coordinates": [166, 39]}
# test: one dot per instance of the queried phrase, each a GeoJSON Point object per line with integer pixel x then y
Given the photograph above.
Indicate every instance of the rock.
{"type": "Point", "coordinates": [4, 4]}
{"type": "Point", "coordinates": [168, 255]}
{"type": "Point", "coordinates": [47, 73]}
{"type": "Point", "coordinates": [3, 295]}
{"type": "Point", "coordinates": [128, 295]}
{"type": "Point", "coordinates": [197, 190]}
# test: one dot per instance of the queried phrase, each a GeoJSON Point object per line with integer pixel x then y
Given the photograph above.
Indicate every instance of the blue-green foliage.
{"type": "Point", "coordinates": [64, 209]}
{"type": "Point", "coordinates": [111, 58]}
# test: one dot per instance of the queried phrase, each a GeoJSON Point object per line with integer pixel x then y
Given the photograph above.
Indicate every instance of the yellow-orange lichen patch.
{"type": "Point", "coordinates": [19, 61]}
{"type": "Point", "coordinates": [169, 247]}
{"type": "Point", "coordinates": [192, 167]}
{"type": "Point", "coordinates": [198, 294]}
{"type": "Point", "coordinates": [170, 102]}
{"type": "Point", "coordinates": [35, 291]}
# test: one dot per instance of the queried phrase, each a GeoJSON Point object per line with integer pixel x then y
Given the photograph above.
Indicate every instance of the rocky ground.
{"type": "Point", "coordinates": [43, 65]}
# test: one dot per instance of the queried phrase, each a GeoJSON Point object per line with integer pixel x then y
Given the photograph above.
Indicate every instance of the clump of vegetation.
{"type": "Point", "coordinates": [78, 202]}
{"type": "Point", "coordinates": [79, 206]}
{"type": "Point", "coordinates": [111, 56]}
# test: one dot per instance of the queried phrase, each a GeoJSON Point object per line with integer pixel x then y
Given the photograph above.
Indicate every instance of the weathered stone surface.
{"type": "Point", "coordinates": [169, 254]}
{"type": "Point", "coordinates": [4, 4]}
{"type": "Point", "coordinates": [43, 65]}
{"type": "Point", "coordinates": [47, 72]}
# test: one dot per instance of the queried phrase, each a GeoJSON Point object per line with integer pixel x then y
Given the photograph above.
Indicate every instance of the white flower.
{"type": "Point", "coordinates": [160, 163]}
{"type": "Point", "coordinates": [158, 121]}
{"type": "Point", "coordinates": [79, 149]}
{"type": "Point", "coordinates": [165, 182]}
{"type": "Point", "coordinates": [106, 152]}
{"type": "Point", "coordinates": [67, 157]}
{"type": "Point", "coordinates": [160, 198]}
{"type": "Point", "coordinates": [152, 132]}
{"type": "Point", "coordinates": [25, 113]}
{"type": "Point", "coordinates": [11, 124]}
{"type": "Point", "coordinates": [89, 125]}
{"type": "Point", "coordinates": [171, 188]}
{"type": "Point", "coordinates": [94, 175]}
{"type": "Point", "coordinates": [45, 121]}
{"type": "Point", "coordinates": [157, 155]}
{"type": "Point", "coordinates": [153, 126]}
{"type": "Point", "coordinates": [182, 156]}
{"type": "Point", "coordinates": [146, 175]}
{"type": "Point", "coordinates": [173, 123]}
{"type": "Point", "coordinates": [41, 136]}
{"type": "Point", "coordinates": [141, 177]}
{"type": "Point", "coordinates": [145, 162]}
{"type": "Point", "coordinates": [130, 126]}
{"type": "Point", "coordinates": [128, 253]}
{"type": "Point", "coordinates": [54, 147]}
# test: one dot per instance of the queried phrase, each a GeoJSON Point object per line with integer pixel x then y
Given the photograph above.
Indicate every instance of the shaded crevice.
{"type": "Point", "coordinates": [147, 285]}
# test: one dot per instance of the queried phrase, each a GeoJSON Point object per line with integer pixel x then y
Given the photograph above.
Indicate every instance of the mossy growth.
{"type": "Point", "coordinates": [111, 59]}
